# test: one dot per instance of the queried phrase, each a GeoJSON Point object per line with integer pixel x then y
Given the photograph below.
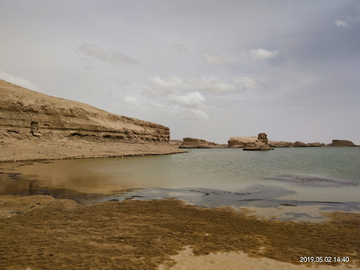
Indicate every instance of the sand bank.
{"type": "Point", "coordinates": [40, 232]}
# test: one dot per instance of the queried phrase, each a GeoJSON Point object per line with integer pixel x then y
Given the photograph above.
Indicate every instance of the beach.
{"type": "Point", "coordinates": [161, 213]}
{"type": "Point", "coordinates": [40, 232]}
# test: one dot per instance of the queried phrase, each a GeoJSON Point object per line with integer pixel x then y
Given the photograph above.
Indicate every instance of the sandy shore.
{"type": "Point", "coordinates": [13, 149]}
{"type": "Point", "coordinates": [40, 232]}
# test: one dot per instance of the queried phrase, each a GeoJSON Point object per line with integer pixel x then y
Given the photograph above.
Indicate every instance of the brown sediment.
{"type": "Point", "coordinates": [40, 232]}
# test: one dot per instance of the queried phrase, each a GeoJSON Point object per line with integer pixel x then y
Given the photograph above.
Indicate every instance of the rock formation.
{"type": "Point", "coordinates": [300, 144]}
{"type": "Point", "coordinates": [38, 126]}
{"type": "Point", "coordinates": [240, 142]}
{"type": "Point", "coordinates": [198, 143]}
{"type": "Point", "coordinates": [315, 144]}
{"type": "Point", "coordinates": [261, 144]}
{"type": "Point", "coordinates": [342, 143]}
{"type": "Point", "coordinates": [280, 144]}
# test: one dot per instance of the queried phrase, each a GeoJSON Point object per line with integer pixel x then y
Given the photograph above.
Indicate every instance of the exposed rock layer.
{"type": "Point", "coordinates": [198, 143]}
{"type": "Point", "coordinates": [38, 126]}
{"type": "Point", "coordinates": [261, 144]}
{"type": "Point", "coordinates": [242, 142]}
{"type": "Point", "coordinates": [342, 143]}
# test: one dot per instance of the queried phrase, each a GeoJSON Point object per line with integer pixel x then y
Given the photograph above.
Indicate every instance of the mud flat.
{"type": "Point", "coordinates": [40, 232]}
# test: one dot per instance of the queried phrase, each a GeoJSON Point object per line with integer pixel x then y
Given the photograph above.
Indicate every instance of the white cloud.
{"type": "Point", "coordinates": [260, 54]}
{"type": "Point", "coordinates": [111, 56]}
{"type": "Point", "coordinates": [161, 107]}
{"type": "Point", "coordinates": [175, 84]}
{"type": "Point", "coordinates": [206, 85]}
{"type": "Point", "coordinates": [180, 49]}
{"type": "Point", "coordinates": [19, 81]}
{"type": "Point", "coordinates": [246, 81]}
{"type": "Point", "coordinates": [341, 23]}
{"type": "Point", "coordinates": [214, 59]}
{"type": "Point", "coordinates": [121, 82]}
{"type": "Point", "coordinates": [193, 100]}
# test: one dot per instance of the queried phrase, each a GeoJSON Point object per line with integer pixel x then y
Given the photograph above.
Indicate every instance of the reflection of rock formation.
{"type": "Point", "coordinates": [42, 120]}
{"type": "Point", "coordinates": [198, 143]}
{"type": "Point", "coordinates": [342, 143]}
{"type": "Point", "coordinates": [261, 144]}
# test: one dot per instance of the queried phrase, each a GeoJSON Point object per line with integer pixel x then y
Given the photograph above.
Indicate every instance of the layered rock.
{"type": "Point", "coordinates": [240, 142]}
{"type": "Point", "coordinates": [342, 143]}
{"type": "Point", "coordinates": [61, 127]}
{"type": "Point", "coordinates": [300, 144]}
{"type": "Point", "coordinates": [280, 144]}
{"type": "Point", "coordinates": [261, 144]}
{"type": "Point", "coordinates": [316, 144]}
{"type": "Point", "coordinates": [198, 143]}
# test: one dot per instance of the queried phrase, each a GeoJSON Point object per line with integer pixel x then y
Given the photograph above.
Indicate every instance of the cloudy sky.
{"type": "Point", "coordinates": [206, 69]}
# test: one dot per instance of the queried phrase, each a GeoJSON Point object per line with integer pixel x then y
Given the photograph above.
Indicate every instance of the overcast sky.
{"type": "Point", "coordinates": [206, 69]}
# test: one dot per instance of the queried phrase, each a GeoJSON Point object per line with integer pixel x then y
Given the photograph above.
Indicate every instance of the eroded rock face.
{"type": "Point", "coordinates": [198, 143]}
{"type": "Point", "coordinates": [263, 138]}
{"type": "Point", "coordinates": [240, 142]}
{"type": "Point", "coordinates": [261, 144]}
{"type": "Point", "coordinates": [280, 144]}
{"type": "Point", "coordinates": [29, 115]}
{"type": "Point", "coordinates": [342, 143]}
{"type": "Point", "coordinates": [300, 144]}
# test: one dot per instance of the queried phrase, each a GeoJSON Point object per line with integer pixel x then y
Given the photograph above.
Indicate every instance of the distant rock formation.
{"type": "Point", "coordinates": [176, 143]}
{"type": "Point", "coordinates": [342, 143]}
{"type": "Point", "coordinates": [280, 144]}
{"type": "Point", "coordinates": [38, 126]}
{"type": "Point", "coordinates": [316, 144]}
{"type": "Point", "coordinates": [240, 142]}
{"type": "Point", "coordinates": [261, 144]}
{"type": "Point", "coordinates": [300, 144]}
{"type": "Point", "coordinates": [198, 143]}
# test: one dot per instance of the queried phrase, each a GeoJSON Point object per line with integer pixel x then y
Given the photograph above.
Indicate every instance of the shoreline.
{"type": "Point", "coordinates": [13, 150]}
{"type": "Point", "coordinates": [42, 232]}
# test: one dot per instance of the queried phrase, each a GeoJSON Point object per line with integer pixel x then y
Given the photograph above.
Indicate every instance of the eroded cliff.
{"type": "Point", "coordinates": [38, 126]}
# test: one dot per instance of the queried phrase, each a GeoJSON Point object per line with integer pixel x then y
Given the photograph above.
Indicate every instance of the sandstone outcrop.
{"type": "Point", "coordinates": [315, 144]}
{"type": "Point", "coordinates": [261, 144]}
{"type": "Point", "coordinates": [240, 142]}
{"type": "Point", "coordinates": [198, 143]}
{"type": "Point", "coordinates": [280, 144]}
{"type": "Point", "coordinates": [38, 126]}
{"type": "Point", "coordinates": [342, 143]}
{"type": "Point", "coordinates": [300, 144]}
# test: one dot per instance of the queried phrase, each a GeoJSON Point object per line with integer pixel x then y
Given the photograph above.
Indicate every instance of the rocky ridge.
{"type": "Point", "coordinates": [342, 143]}
{"type": "Point", "coordinates": [261, 144]}
{"type": "Point", "coordinates": [242, 142]}
{"type": "Point", "coordinates": [38, 126]}
{"type": "Point", "coordinates": [198, 143]}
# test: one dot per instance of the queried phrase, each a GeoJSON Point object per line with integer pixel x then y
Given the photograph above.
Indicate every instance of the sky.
{"type": "Point", "coordinates": [205, 69]}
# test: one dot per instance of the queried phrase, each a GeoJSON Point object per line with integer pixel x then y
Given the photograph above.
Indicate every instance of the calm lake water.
{"type": "Point", "coordinates": [284, 175]}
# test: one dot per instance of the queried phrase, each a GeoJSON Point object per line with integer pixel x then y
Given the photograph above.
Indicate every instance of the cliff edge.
{"type": "Point", "coordinates": [199, 143]}
{"type": "Point", "coordinates": [38, 126]}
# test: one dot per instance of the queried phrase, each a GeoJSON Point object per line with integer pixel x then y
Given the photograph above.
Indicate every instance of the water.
{"type": "Point", "coordinates": [283, 176]}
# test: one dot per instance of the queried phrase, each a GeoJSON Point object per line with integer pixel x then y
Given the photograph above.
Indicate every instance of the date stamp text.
{"type": "Point", "coordinates": [326, 259]}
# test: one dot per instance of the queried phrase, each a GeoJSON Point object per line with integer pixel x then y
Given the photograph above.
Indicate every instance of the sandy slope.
{"type": "Point", "coordinates": [38, 126]}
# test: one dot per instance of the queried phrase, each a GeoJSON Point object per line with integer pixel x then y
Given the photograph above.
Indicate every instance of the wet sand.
{"type": "Point", "coordinates": [40, 232]}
